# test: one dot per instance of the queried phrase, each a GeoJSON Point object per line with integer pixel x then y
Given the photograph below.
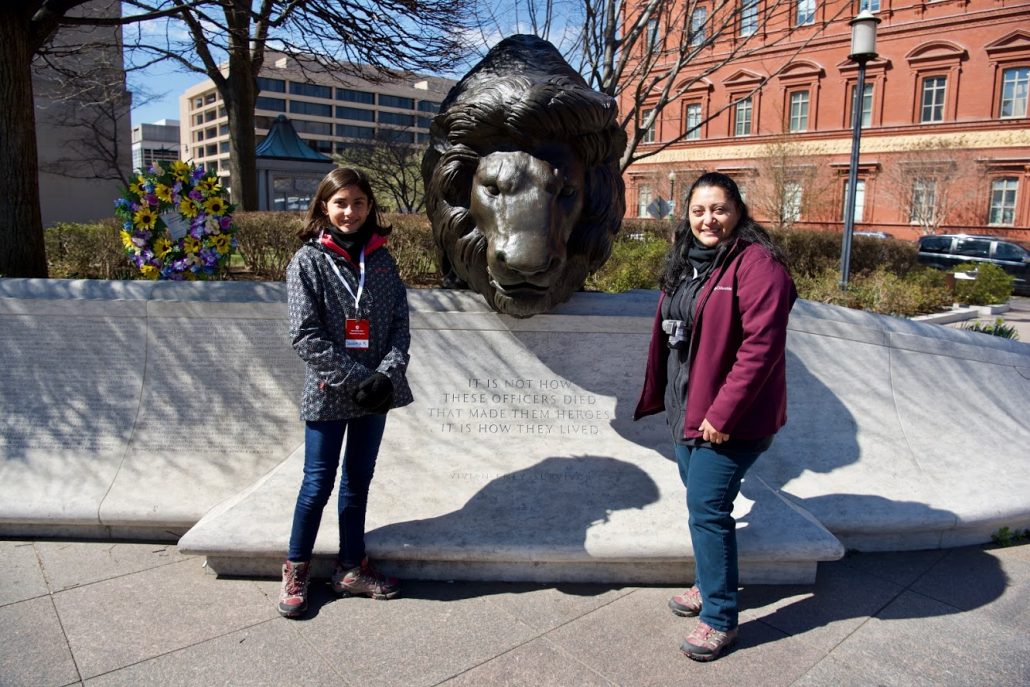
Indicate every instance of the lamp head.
{"type": "Point", "coordinates": [863, 36]}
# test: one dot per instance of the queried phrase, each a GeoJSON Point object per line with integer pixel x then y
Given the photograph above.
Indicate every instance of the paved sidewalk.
{"type": "Point", "coordinates": [1017, 316]}
{"type": "Point", "coordinates": [142, 614]}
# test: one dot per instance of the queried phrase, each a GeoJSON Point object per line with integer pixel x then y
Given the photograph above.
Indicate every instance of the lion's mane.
{"type": "Point", "coordinates": [520, 97]}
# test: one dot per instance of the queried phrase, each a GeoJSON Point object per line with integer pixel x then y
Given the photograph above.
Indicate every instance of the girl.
{"type": "Point", "coordinates": [349, 323]}
{"type": "Point", "coordinates": [717, 366]}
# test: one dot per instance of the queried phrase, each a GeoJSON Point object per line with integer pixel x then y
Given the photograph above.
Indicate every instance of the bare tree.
{"type": "Point", "coordinates": [223, 39]}
{"type": "Point", "coordinates": [934, 184]}
{"type": "Point", "coordinates": [393, 164]}
{"type": "Point", "coordinates": [788, 186]}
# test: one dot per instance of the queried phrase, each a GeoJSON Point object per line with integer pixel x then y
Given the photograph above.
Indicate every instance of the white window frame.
{"type": "Point", "coordinates": [1015, 82]}
{"type": "Point", "coordinates": [748, 17]}
{"type": "Point", "coordinates": [698, 24]}
{"type": "Point", "coordinates": [938, 98]}
{"type": "Point", "coordinates": [924, 200]}
{"type": "Point", "coordinates": [799, 107]}
{"type": "Point", "coordinates": [1002, 211]}
{"type": "Point", "coordinates": [693, 128]}
{"type": "Point", "coordinates": [792, 195]}
{"type": "Point", "coordinates": [859, 211]}
{"type": "Point", "coordinates": [644, 197]}
{"type": "Point", "coordinates": [649, 131]}
{"type": "Point", "coordinates": [867, 104]}
{"type": "Point", "coordinates": [805, 14]}
{"type": "Point", "coordinates": [743, 111]}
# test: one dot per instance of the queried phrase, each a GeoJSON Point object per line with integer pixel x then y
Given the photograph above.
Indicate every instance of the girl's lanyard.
{"type": "Point", "coordinates": [355, 330]}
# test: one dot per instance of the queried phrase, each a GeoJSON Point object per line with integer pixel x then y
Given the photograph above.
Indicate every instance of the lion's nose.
{"type": "Point", "coordinates": [525, 261]}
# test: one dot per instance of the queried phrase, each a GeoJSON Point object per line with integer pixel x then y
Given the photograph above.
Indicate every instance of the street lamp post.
{"type": "Point", "coordinates": [672, 194]}
{"type": "Point", "coordinates": [863, 49]}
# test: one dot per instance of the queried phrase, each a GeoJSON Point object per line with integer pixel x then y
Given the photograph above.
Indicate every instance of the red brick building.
{"type": "Point", "coordinates": [946, 135]}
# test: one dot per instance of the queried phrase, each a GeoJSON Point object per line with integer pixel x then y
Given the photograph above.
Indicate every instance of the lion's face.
{"type": "Point", "coordinates": [526, 207]}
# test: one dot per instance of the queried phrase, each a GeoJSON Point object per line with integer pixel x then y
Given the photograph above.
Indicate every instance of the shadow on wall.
{"type": "Point", "coordinates": [550, 505]}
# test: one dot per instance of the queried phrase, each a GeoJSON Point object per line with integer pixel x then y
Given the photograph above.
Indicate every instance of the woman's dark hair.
{"type": "Point", "coordinates": [747, 230]}
{"type": "Point", "coordinates": [341, 177]}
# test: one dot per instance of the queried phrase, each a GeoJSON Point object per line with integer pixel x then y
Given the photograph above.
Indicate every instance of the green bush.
{"type": "Point", "coordinates": [635, 263]}
{"type": "Point", "coordinates": [810, 253]}
{"type": "Point", "coordinates": [992, 285]}
{"type": "Point", "coordinates": [919, 292]}
{"type": "Point", "coordinates": [267, 241]}
{"type": "Point", "coordinates": [998, 328]}
{"type": "Point", "coordinates": [412, 246]}
{"type": "Point", "coordinates": [87, 251]}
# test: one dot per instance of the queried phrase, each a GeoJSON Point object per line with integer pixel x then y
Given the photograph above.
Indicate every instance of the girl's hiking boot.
{"type": "Point", "coordinates": [364, 580]}
{"type": "Point", "coordinates": [687, 604]}
{"type": "Point", "coordinates": [293, 596]}
{"type": "Point", "coordinates": [706, 643]}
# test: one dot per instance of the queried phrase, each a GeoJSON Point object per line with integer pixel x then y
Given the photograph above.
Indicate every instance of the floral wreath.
{"type": "Point", "coordinates": [176, 222]}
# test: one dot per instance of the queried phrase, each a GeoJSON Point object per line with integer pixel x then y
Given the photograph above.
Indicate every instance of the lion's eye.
{"type": "Point", "coordinates": [492, 189]}
{"type": "Point", "coordinates": [568, 191]}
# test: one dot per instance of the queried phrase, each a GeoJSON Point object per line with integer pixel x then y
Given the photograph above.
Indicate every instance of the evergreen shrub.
{"type": "Point", "coordinates": [992, 285]}
{"type": "Point", "coordinates": [87, 251]}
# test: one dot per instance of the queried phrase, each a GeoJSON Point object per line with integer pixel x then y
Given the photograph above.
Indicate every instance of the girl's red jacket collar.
{"type": "Point", "coordinates": [374, 243]}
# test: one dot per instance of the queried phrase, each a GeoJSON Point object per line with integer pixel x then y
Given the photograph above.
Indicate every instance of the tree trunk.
{"type": "Point", "coordinates": [22, 251]}
{"type": "Point", "coordinates": [240, 97]}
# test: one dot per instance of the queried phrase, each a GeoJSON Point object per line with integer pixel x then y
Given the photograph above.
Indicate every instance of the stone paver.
{"type": "Point", "coordinates": [138, 614]}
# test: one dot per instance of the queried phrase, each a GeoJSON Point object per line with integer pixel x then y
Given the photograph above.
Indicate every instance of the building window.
{"type": "Point", "coordinates": [806, 12]}
{"type": "Point", "coordinates": [396, 101]}
{"type": "Point", "coordinates": [209, 116]}
{"type": "Point", "coordinates": [352, 96]}
{"type": "Point", "coordinates": [868, 5]}
{"type": "Point", "coordinates": [923, 208]}
{"type": "Point", "coordinates": [1014, 84]}
{"type": "Point", "coordinates": [211, 150]}
{"type": "Point", "coordinates": [273, 104]}
{"type": "Point", "coordinates": [648, 133]}
{"type": "Point", "coordinates": [791, 201]}
{"type": "Point", "coordinates": [867, 105]}
{"type": "Point", "coordinates": [353, 131]}
{"type": "Point", "coordinates": [859, 201]}
{"type": "Point", "coordinates": [653, 27]}
{"type": "Point", "coordinates": [697, 26]}
{"type": "Point", "coordinates": [308, 127]}
{"type": "Point", "coordinates": [198, 119]}
{"type": "Point", "coordinates": [1003, 201]}
{"type": "Point", "coordinates": [396, 136]}
{"type": "Point", "coordinates": [424, 122]}
{"type": "Point", "coordinates": [209, 98]}
{"type": "Point", "coordinates": [396, 118]}
{"type": "Point", "coordinates": [313, 109]}
{"type": "Point", "coordinates": [643, 200]}
{"type": "Point", "coordinates": [223, 147]}
{"type": "Point", "coordinates": [312, 90]}
{"type": "Point", "coordinates": [428, 106]}
{"type": "Point", "coordinates": [355, 113]}
{"type": "Point", "coordinates": [274, 85]}
{"type": "Point", "coordinates": [799, 111]}
{"type": "Point", "coordinates": [748, 17]}
{"type": "Point", "coordinates": [693, 122]}
{"type": "Point", "coordinates": [742, 117]}
{"type": "Point", "coordinates": [223, 130]}
{"type": "Point", "coordinates": [933, 99]}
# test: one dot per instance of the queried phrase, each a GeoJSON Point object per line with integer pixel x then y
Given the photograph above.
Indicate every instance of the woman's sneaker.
{"type": "Point", "coordinates": [293, 595]}
{"type": "Point", "coordinates": [687, 604]}
{"type": "Point", "coordinates": [706, 643]}
{"type": "Point", "coordinates": [364, 580]}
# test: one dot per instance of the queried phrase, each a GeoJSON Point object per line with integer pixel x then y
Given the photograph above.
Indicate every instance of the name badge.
{"type": "Point", "coordinates": [356, 333]}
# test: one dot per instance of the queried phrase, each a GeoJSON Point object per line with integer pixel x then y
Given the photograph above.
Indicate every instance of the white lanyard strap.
{"type": "Point", "coordinates": [361, 278]}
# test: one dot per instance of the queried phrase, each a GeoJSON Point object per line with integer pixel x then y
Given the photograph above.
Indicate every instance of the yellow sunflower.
{"type": "Point", "coordinates": [221, 243]}
{"type": "Point", "coordinates": [137, 186]}
{"type": "Point", "coordinates": [180, 170]}
{"type": "Point", "coordinates": [209, 185]}
{"type": "Point", "coordinates": [187, 208]}
{"type": "Point", "coordinates": [127, 240]}
{"type": "Point", "coordinates": [161, 247]}
{"type": "Point", "coordinates": [191, 245]}
{"type": "Point", "coordinates": [145, 217]}
{"type": "Point", "coordinates": [149, 271]}
{"type": "Point", "coordinates": [215, 206]}
{"type": "Point", "coordinates": [163, 193]}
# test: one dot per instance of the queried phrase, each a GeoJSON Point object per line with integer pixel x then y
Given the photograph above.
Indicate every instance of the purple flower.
{"type": "Point", "coordinates": [181, 264]}
{"type": "Point", "coordinates": [195, 194]}
{"type": "Point", "coordinates": [198, 173]}
{"type": "Point", "coordinates": [151, 199]}
{"type": "Point", "coordinates": [225, 222]}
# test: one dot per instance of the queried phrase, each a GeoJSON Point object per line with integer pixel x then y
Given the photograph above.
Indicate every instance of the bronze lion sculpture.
{"type": "Point", "coordinates": [522, 179]}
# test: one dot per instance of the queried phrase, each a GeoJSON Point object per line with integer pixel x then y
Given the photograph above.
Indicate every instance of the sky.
{"type": "Point", "coordinates": [166, 85]}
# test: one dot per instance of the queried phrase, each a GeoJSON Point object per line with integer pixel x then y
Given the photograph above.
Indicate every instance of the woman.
{"type": "Point", "coordinates": [717, 366]}
{"type": "Point", "coordinates": [349, 323]}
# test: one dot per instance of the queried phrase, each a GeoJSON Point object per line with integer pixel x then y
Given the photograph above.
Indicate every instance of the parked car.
{"type": "Point", "coordinates": [874, 234]}
{"type": "Point", "coordinates": [946, 251]}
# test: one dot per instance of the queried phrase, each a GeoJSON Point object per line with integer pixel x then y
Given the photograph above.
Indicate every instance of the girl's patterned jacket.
{"type": "Point", "coordinates": [320, 305]}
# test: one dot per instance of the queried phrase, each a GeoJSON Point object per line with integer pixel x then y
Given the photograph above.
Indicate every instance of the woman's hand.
{"type": "Point", "coordinates": [710, 433]}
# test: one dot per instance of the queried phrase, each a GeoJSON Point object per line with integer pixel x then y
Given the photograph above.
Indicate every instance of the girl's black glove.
{"type": "Point", "coordinates": [375, 393]}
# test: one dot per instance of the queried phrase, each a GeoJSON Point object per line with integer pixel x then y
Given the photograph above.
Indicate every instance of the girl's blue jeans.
{"type": "Point", "coordinates": [712, 478]}
{"type": "Point", "coordinates": [323, 442]}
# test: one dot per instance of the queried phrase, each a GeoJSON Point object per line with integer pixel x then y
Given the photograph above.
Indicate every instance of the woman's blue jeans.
{"type": "Point", "coordinates": [322, 444]}
{"type": "Point", "coordinates": [712, 478]}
